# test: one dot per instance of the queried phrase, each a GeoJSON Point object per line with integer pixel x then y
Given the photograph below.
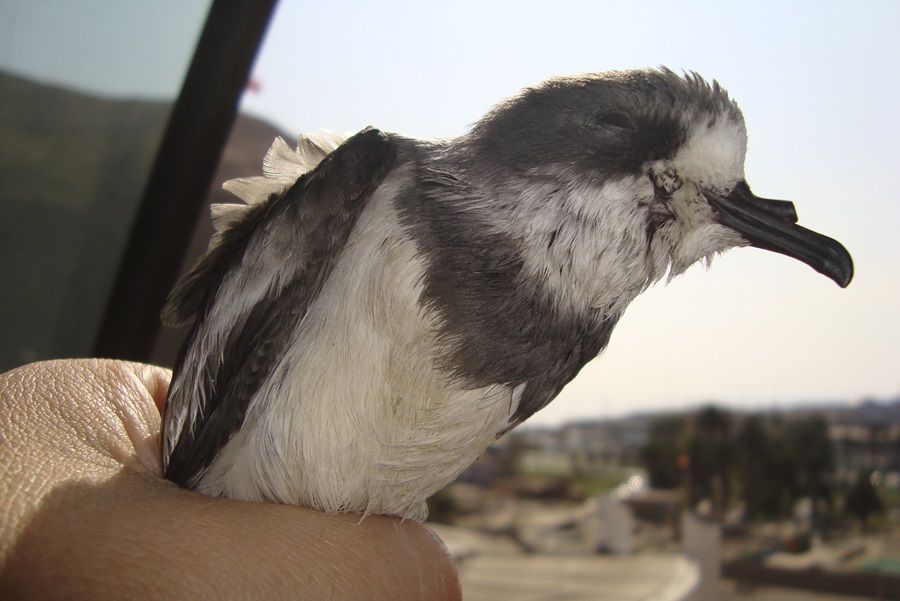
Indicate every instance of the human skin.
{"type": "Point", "coordinates": [86, 514]}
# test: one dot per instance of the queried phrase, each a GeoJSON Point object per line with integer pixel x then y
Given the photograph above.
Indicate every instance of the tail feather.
{"type": "Point", "coordinates": [282, 166]}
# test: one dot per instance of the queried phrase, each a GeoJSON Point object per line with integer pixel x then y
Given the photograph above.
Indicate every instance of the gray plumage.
{"type": "Point", "coordinates": [384, 308]}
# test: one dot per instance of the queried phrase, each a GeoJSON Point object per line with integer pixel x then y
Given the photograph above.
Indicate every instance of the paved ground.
{"type": "Point", "coordinates": [576, 578]}
{"type": "Point", "coordinates": [493, 568]}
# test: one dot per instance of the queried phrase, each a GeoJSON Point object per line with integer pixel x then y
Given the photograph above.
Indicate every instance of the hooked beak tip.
{"type": "Point", "coordinates": [772, 225]}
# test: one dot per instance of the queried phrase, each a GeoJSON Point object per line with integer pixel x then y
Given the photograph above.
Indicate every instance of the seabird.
{"type": "Point", "coordinates": [380, 309]}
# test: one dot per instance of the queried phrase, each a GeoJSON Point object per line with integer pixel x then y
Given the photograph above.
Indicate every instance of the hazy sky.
{"type": "Point", "coordinates": [818, 83]}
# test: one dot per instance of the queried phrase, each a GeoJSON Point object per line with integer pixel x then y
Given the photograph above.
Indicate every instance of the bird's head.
{"type": "Point", "coordinates": [642, 171]}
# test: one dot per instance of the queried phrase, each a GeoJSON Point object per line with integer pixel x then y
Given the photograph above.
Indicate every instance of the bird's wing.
{"type": "Point", "coordinates": [248, 293]}
{"type": "Point", "coordinates": [556, 374]}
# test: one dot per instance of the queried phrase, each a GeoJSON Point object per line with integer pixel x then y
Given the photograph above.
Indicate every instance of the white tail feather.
{"type": "Point", "coordinates": [224, 213]}
{"type": "Point", "coordinates": [282, 161]}
{"type": "Point", "coordinates": [282, 166]}
{"type": "Point", "coordinates": [253, 190]}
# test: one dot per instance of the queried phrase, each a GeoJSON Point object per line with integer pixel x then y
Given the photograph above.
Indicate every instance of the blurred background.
{"type": "Point", "coordinates": [120, 120]}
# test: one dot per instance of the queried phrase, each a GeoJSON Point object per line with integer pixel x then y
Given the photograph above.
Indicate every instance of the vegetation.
{"type": "Point", "coordinates": [711, 453]}
{"type": "Point", "coordinates": [862, 500]}
{"type": "Point", "coordinates": [661, 453]}
{"type": "Point", "coordinates": [73, 169]}
{"type": "Point", "coordinates": [765, 463]}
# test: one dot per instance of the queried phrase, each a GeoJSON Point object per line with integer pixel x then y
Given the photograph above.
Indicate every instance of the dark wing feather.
{"type": "Point", "coordinates": [540, 390]}
{"type": "Point", "coordinates": [212, 387]}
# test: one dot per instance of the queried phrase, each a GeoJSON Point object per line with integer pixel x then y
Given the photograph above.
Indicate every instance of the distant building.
{"type": "Point", "coordinates": [864, 437]}
{"type": "Point", "coordinates": [864, 447]}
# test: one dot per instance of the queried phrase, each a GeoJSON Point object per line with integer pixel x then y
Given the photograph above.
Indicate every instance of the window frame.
{"type": "Point", "coordinates": [176, 190]}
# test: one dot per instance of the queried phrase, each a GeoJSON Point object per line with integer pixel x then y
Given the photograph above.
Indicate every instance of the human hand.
{"type": "Point", "coordinates": [85, 513]}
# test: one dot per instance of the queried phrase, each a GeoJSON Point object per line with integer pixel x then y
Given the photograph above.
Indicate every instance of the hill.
{"type": "Point", "coordinates": [72, 170]}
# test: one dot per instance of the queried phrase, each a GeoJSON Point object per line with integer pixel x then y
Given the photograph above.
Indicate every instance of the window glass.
{"type": "Point", "coordinates": [85, 92]}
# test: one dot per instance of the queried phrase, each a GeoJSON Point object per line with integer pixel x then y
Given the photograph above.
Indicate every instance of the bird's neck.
{"type": "Point", "coordinates": [582, 242]}
{"type": "Point", "coordinates": [517, 283]}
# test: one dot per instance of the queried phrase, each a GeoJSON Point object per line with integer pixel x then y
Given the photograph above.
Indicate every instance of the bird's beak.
{"type": "Point", "coordinates": [772, 225]}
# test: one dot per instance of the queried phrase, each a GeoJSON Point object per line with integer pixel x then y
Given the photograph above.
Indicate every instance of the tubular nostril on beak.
{"type": "Point", "coordinates": [780, 209]}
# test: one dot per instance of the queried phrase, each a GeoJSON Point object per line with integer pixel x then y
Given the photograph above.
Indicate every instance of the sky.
{"type": "Point", "coordinates": [817, 82]}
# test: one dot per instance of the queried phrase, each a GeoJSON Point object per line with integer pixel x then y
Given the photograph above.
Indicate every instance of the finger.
{"type": "Point", "coordinates": [65, 420]}
{"type": "Point", "coordinates": [136, 395]}
{"type": "Point", "coordinates": [164, 542]}
{"type": "Point", "coordinates": [155, 380]}
{"type": "Point", "coordinates": [83, 504]}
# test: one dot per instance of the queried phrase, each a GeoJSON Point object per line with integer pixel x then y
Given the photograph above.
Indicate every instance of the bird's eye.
{"type": "Point", "coordinates": [615, 121]}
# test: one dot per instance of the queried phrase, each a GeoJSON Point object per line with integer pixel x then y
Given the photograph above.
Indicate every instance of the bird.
{"type": "Point", "coordinates": [377, 310]}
